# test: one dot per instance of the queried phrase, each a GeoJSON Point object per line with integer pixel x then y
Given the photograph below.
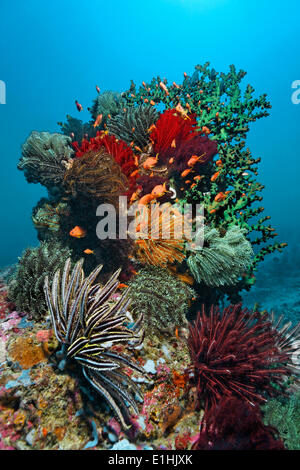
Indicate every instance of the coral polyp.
{"type": "Point", "coordinates": [88, 325]}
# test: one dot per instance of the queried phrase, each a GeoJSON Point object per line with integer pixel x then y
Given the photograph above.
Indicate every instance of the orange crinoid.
{"type": "Point", "coordinates": [160, 234]}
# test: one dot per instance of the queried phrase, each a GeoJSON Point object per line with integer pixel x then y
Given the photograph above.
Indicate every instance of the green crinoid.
{"type": "Point", "coordinates": [45, 158]}
{"type": "Point", "coordinates": [26, 287]}
{"type": "Point", "coordinates": [162, 298]}
{"type": "Point", "coordinates": [222, 260]}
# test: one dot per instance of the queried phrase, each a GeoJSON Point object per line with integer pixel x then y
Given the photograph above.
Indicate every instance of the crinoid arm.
{"type": "Point", "coordinates": [89, 324]}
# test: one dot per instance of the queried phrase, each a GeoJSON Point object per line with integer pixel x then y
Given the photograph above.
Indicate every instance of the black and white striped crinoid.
{"type": "Point", "coordinates": [88, 323]}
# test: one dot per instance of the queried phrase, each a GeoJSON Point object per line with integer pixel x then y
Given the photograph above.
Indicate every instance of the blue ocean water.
{"type": "Point", "coordinates": [55, 52]}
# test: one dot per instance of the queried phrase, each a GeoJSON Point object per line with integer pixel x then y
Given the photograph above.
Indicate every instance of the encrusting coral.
{"type": "Point", "coordinates": [88, 325]}
{"type": "Point", "coordinates": [26, 287]}
{"type": "Point", "coordinates": [222, 260]}
{"type": "Point", "coordinates": [45, 158]}
{"type": "Point", "coordinates": [162, 298]}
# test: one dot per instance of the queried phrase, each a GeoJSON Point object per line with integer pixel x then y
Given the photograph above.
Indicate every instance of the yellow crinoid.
{"type": "Point", "coordinates": [160, 232]}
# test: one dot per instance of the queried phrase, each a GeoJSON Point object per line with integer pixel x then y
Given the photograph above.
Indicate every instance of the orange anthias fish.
{"type": "Point", "coordinates": [183, 113]}
{"type": "Point", "coordinates": [98, 89]}
{"type": "Point", "coordinates": [146, 199]}
{"type": "Point", "coordinates": [194, 159]}
{"type": "Point", "coordinates": [122, 286]}
{"type": "Point", "coordinates": [163, 87]}
{"type": "Point", "coordinates": [88, 251]}
{"type": "Point", "coordinates": [78, 232]}
{"type": "Point", "coordinates": [206, 130]}
{"type": "Point", "coordinates": [215, 176]}
{"type": "Point", "coordinates": [150, 162]}
{"type": "Point", "coordinates": [220, 197]}
{"type": "Point", "coordinates": [98, 120]}
{"type": "Point", "coordinates": [186, 172]}
{"type": "Point", "coordinates": [159, 190]}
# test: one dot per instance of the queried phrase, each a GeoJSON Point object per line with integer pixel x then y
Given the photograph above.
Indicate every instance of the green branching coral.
{"type": "Point", "coordinates": [284, 415]}
{"type": "Point", "coordinates": [160, 297]}
{"type": "Point", "coordinates": [45, 157]}
{"type": "Point", "coordinates": [215, 97]}
{"type": "Point", "coordinates": [133, 125]}
{"type": "Point", "coordinates": [107, 103]}
{"type": "Point", "coordinates": [26, 289]}
{"type": "Point", "coordinates": [221, 260]}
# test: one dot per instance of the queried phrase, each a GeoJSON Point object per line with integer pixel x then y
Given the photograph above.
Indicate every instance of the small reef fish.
{"type": "Point", "coordinates": [164, 88]}
{"type": "Point", "coordinates": [88, 252]}
{"type": "Point", "coordinates": [135, 195]}
{"type": "Point", "coordinates": [183, 113]}
{"type": "Point", "coordinates": [159, 190]}
{"type": "Point", "coordinates": [98, 89]}
{"type": "Point", "coordinates": [150, 162]}
{"type": "Point", "coordinates": [220, 197]}
{"type": "Point", "coordinates": [98, 120]}
{"type": "Point", "coordinates": [215, 176]}
{"type": "Point", "coordinates": [186, 172]}
{"type": "Point", "coordinates": [194, 159]}
{"type": "Point", "coordinates": [78, 232]}
{"type": "Point", "coordinates": [146, 199]}
{"type": "Point", "coordinates": [78, 105]}
{"type": "Point", "coordinates": [122, 286]}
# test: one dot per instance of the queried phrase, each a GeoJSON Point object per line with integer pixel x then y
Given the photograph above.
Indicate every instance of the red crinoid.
{"type": "Point", "coordinates": [236, 352]}
{"type": "Point", "coordinates": [171, 128]}
{"type": "Point", "coordinates": [178, 144]}
{"type": "Point", "coordinates": [234, 424]}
